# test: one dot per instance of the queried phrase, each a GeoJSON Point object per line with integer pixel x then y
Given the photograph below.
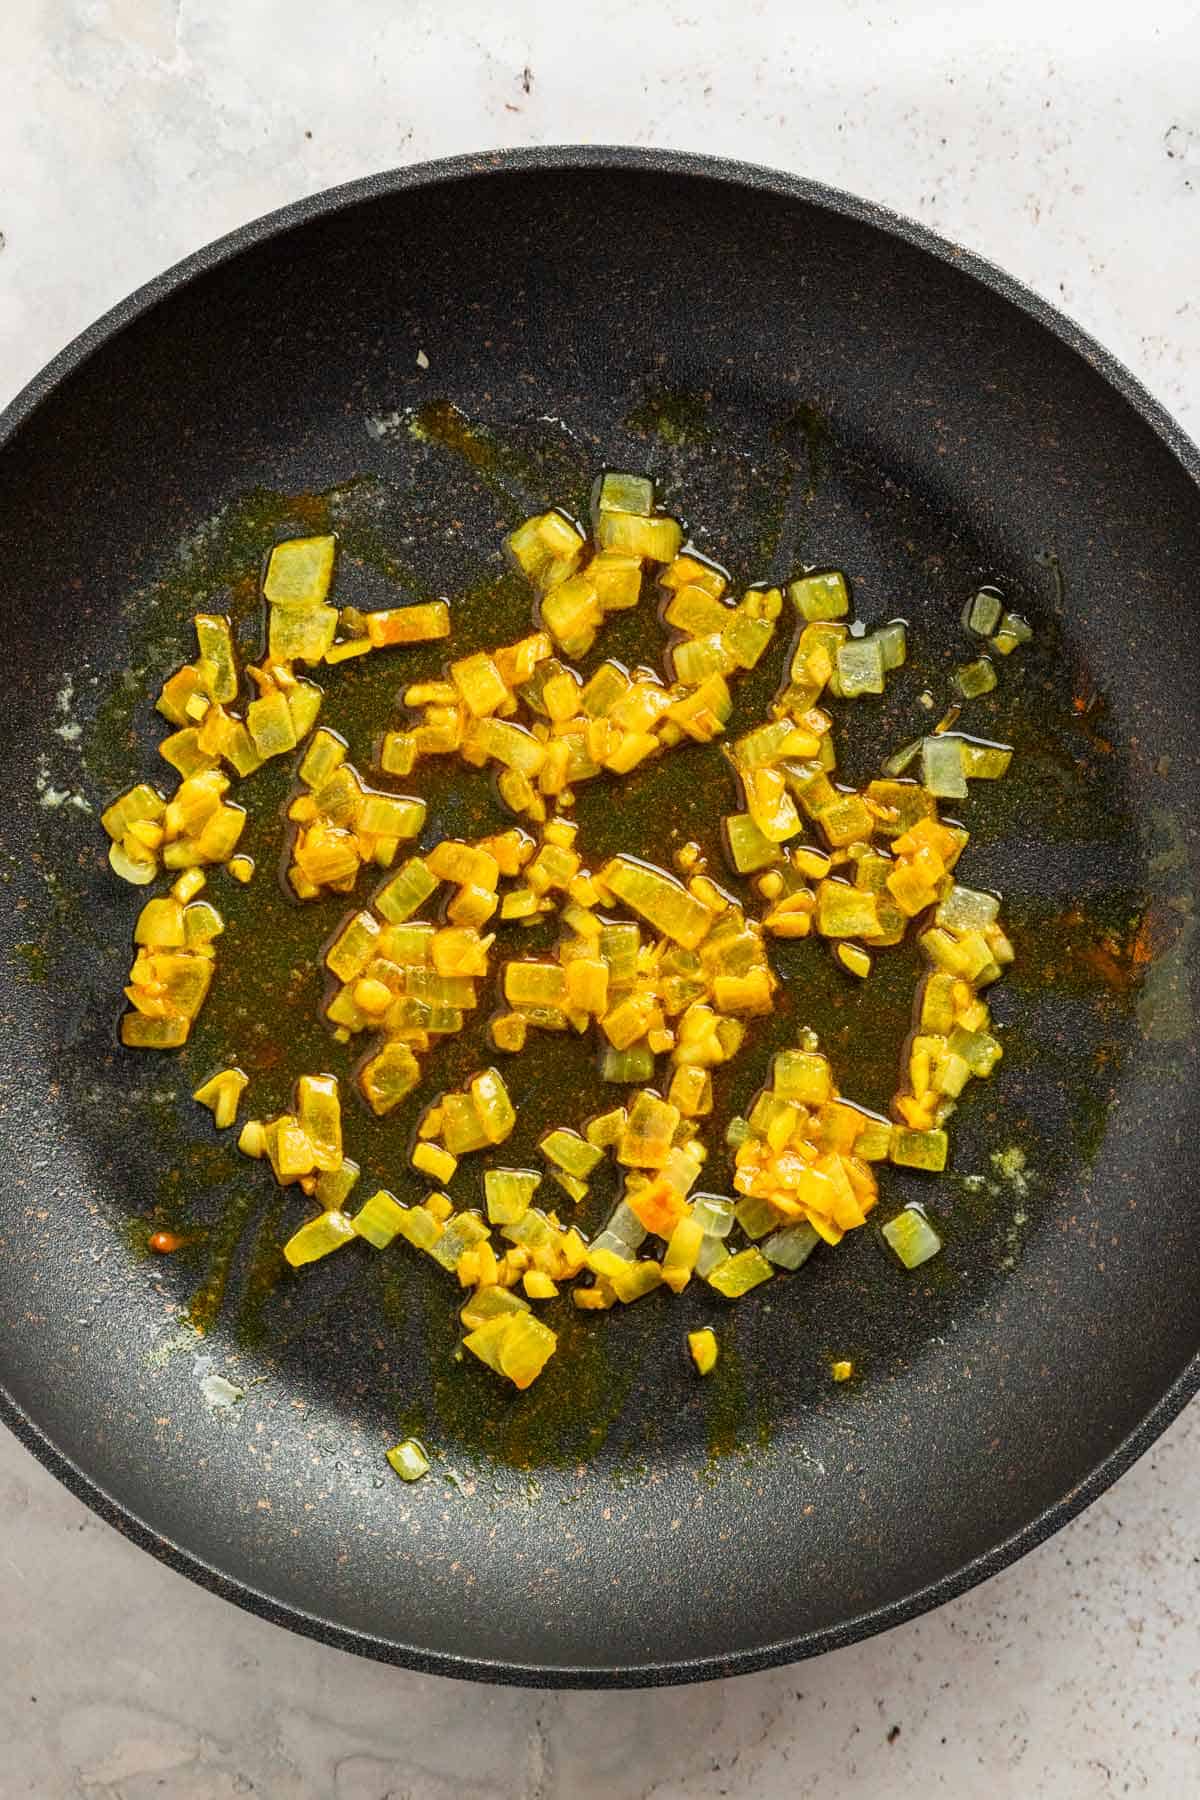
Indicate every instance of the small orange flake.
{"type": "Point", "coordinates": [658, 1206]}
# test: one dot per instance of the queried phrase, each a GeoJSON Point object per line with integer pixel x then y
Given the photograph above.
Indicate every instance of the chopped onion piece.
{"type": "Point", "coordinates": [625, 1226]}
{"type": "Point", "coordinates": [912, 1237]}
{"type": "Point", "coordinates": [712, 1255]}
{"type": "Point", "coordinates": [853, 959]}
{"type": "Point", "coordinates": [379, 1219]}
{"type": "Point", "coordinates": [738, 1274]}
{"type": "Point", "coordinates": [509, 1193]}
{"type": "Point", "coordinates": [615, 492]}
{"type": "Point", "coordinates": [820, 596]}
{"type": "Point", "coordinates": [570, 1152]}
{"type": "Point", "coordinates": [222, 1094]}
{"type": "Point", "coordinates": [636, 1064]}
{"type": "Point", "coordinates": [985, 762]}
{"type": "Point", "coordinates": [656, 539]}
{"type": "Point", "coordinates": [661, 900]}
{"type": "Point", "coordinates": [919, 1149]}
{"type": "Point", "coordinates": [607, 1243]}
{"type": "Point", "coordinates": [714, 1213]}
{"type": "Point", "coordinates": [975, 678]}
{"type": "Point", "coordinates": [462, 1231]}
{"type": "Point", "coordinates": [299, 571]}
{"type": "Point", "coordinates": [791, 1246]}
{"type": "Point", "coordinates": [318, 1238]}
{"type": "Point", "coordinates": [893, 643]}
{"type": "Point", "coordinates": [981, 614]}
{"type": "Point", "coordinates": [942, 767]}
{"type": "Point", "coordinates": [860, 667]}
{"type": "Point", "coordinates": [409, 624]}
{"type": "Point", "coordinates": [409, 1460]}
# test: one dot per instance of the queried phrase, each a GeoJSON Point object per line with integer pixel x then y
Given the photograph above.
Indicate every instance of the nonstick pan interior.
{"type": "Point", "coordinates": [810, 383]}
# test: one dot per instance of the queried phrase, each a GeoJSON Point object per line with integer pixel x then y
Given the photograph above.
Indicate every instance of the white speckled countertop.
{"type": "Point", "coordinates": [1061, 140]}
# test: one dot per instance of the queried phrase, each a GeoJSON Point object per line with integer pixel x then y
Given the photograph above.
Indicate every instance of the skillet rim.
{"type": "Point", "coordinates": [602, 158]}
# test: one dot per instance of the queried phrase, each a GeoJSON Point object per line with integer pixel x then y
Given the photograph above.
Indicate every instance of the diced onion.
{"type": "Point", "coordinates": [667, 996]}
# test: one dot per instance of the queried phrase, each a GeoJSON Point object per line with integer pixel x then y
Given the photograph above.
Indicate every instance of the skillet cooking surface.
{"type": "Point", "coordinates": [809, 381]}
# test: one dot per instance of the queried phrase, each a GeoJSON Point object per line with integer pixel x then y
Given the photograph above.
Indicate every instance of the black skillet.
{"type": "Point", "coordinates": [813, 381]}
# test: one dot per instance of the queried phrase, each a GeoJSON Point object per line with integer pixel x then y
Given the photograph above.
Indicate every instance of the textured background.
{"type": "Point", "coordinates": [1062, 141]}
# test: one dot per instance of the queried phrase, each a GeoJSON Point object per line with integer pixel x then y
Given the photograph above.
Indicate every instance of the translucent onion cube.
{"type": "Point", "coordinates": [462, 1232]}
{"type": "Point", "coordinates": [975, 678]}
{"type": "Point", "coordinates": [526, 1349]}
{"type": "Point", "coordinates": [618, 492]}
{"type": "Point", "coordinates": [391, 1074]}
{"type": "Point", "coordinates": [508, 1194]}
{"type": "Point", "coordinates": [497, 1116]}
{"type": "Point", "coordinates": [788, 1248]}
{"type": "Point", "coordinates": [713, 1255]}
{"type": "Point", "coordinates": [301, 634]}
{"type": "Point", "coordinates": [221, 1095]}
{"type": "Point", "coordinates": [771, 806]}
{"type": "Point", "coordinates": [421, 624]}
{"type": "Point", "coordinates": [319, 1110]}
{"type": "Point", "coordinates": [714, 1213]}
{"type": "Point", "coordinates": [570, 1152]}
{"type": "Point", "coordinates": [489, 1303]}
{"type": "Point", "coordinates": [738, 1274]}
{"type": "Point", "coordinates": [697, 612]}
{"type": "Point", "coordinates": [409, 1460]}
{"type": "Point", "coordinates": [696, 659]}
{"type": "Point", "coordinates": [406, 891]}
{"type": "Point", "coordinates": [379, 1219]}
{"type": "Point", "coordinates": [893, 643]}
{"type": "Point", "coordinates": [860, 667]}
{"type": "Point", "coordinates": [844, 911]}
{"type": "Point", "coordinates": [967, 909]}
{"type": "Point", "coordinates": [749, 849]}
{"type": "Point", "coordinates": [919, 1149]}
{"type": "Point", "coordinates": [617, 580]}
{"type": "Point", "coordinates": [217, 662]}
{"type": "Point", "coordinates": [756, 1217]}
{"type": "Point", "coordinates": [820, 596]}
{"type": "Point", "coordinates": [299, 571]}
{"type": "Point", "coordinates": [981, 614]}
{"type": "Point", "coordinates": [269, 722]}
{"type": "Point", "coordinates": [625, 1226]}
{"type": "Point", "coordinates": [334, 1185]}
{"type": "Point", "coordinates": [646, 1140]}
{"type": "Point", "coordinates": [353, 947]}
{"type": "Point", "coordinates": [978, 1049]}
{"type": "Point", "coordinates": [942, 767]}
{"type": "Point", "coordinates": [912, 1237]}
{"type": "Point", "coordinates": [479, 683]}
{"type": "Point", "coordinates": [632, 534]}
{"type": "Point", "coordinates": [462, 1129]}
{"type": "Point", "coordinates": [661, 900]}
{"type": "Point", "coordinates": [985, 762]}
{"type": "Point", "coordinates": [318, 1238]}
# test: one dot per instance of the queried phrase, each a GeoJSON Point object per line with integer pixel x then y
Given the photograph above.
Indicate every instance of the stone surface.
{"type": "Point", "coordinates": [1064, 143]}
